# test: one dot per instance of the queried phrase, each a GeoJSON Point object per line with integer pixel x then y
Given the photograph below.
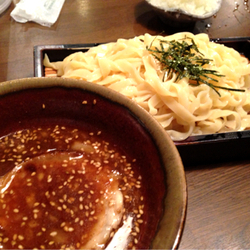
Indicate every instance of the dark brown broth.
{"type": "Point", "coordinates": [30, 212]}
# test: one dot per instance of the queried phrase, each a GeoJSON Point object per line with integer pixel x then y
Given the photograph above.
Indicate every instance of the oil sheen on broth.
{"type": "Point", "coordinates": [68, 189]}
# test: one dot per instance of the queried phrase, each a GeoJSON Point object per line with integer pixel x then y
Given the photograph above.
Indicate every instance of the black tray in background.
{"type": "Point", "coordinates": [196, 149]}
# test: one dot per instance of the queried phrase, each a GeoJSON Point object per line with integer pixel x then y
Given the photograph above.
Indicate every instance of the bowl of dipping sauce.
{"type": "Point", "coordinates": [83, 167]}
{"type": "Point", "coordinates": [181, 13]}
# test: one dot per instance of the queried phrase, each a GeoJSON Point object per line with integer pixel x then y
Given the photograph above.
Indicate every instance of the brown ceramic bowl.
{"type": "Point", "coordinates": [27, 103]}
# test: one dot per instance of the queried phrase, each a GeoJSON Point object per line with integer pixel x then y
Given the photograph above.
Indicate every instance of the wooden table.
{"type": "Point", "coordinates": [218, 213]}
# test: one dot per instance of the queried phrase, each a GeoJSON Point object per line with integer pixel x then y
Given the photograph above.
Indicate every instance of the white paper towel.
{"type": "Point", "coordinates": [44, 12]}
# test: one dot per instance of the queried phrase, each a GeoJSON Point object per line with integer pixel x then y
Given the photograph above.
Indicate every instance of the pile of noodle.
{"type": "Point", "coordinates": [128, 67]}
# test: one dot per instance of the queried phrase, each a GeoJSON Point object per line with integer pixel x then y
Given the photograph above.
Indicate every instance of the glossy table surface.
{"type": "Point", "coordinates": [218, 214]}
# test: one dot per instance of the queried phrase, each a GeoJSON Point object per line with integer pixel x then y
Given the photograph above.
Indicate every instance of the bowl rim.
{"type": "Point", "coordinates": [159, 135]}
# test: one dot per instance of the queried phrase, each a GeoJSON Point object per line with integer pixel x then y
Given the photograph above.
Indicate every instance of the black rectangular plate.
{"type": "Point", "coordinates": [194, 150]}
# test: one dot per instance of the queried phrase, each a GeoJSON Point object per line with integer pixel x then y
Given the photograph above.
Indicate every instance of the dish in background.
{"type": "Point", "coordinates": [41, 102]}
{"type": "Point", "coordinates": [183, 13]}
{"type": "Point", "coordinates": [4, 4]}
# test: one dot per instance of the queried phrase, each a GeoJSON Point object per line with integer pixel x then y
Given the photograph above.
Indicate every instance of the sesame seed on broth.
{"type": "Point", "coordinates": [66, 188]}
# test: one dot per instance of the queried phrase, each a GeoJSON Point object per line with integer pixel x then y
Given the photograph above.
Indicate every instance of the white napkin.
{"type": "Point", "coordinates": [44, 12]}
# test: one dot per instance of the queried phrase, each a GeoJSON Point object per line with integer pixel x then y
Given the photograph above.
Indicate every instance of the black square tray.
{"type": "Point", "coordinates": [194, 150]}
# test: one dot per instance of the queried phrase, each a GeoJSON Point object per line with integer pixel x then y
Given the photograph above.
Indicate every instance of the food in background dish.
{"type": "Point", "coordinates": [68, 188]}
{"type": "Point", "coordinates": [192, 7]}
{"type": "Point", "coordinates": [182, 104]}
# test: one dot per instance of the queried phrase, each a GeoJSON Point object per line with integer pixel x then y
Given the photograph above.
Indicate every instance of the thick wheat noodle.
{"type": "Point", "coordinates": [183, 110]}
